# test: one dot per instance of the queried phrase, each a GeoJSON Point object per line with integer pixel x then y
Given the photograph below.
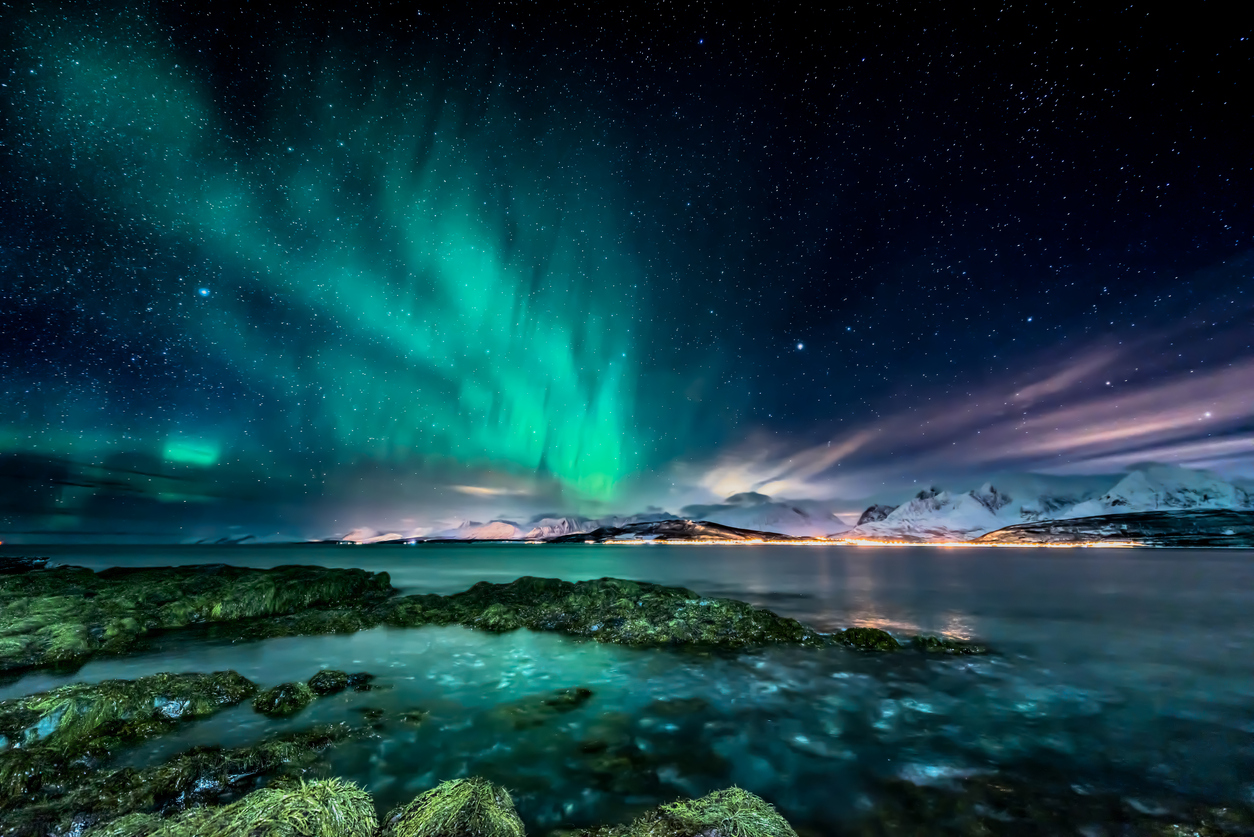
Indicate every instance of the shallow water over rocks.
{"type": "Point", "coordinates": [1117, 673]}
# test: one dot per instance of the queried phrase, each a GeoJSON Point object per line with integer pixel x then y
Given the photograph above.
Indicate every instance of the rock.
{"type": "Point", "coordinates": [68, 614]}
{"type": "Point", "coordinates": [538, 710]}
{"type": "Point", "coordinates": [360, 682]}
{"type": "Point", "coordinates": [321, 808]}
{"type": "Point", "coordinates": [459, 808]}
{"type": "Point", "coordinates": [328, 682]}
{"type": "Point", "coordinates": [284, 699]}
{"type": "Point", "coordinates": [606, 610]}
{"type": "Point", "coordinates": [203, 775]}
{"type": "Point", "coordinates": [943, 645]}
{"type": "Point", "coordinates": [73, 727]}
{"type": "Point", "coordinates": [725, 813]}
{"type": "Point", "coordinates": [867, 639]}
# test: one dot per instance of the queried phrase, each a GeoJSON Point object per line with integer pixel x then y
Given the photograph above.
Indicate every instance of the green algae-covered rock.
{"type": "Point", "coordinates": [944, 645]}
{"type": "Point", "coordinates": [322, 808]}
{"type": "Point", "coordinates": [70, 714]}
{"type": "Point", "coordinates": [284, 699]}
{"type": "Point", "coordinates": [458, 808]}
{"type": "Point", "coordinates": [67, 614]}
{"type": "Point", "coordinates": [867, 639]}
{"type": "Point", "coordinates": [607, 610]}
{"type": "Point", "coordinates": [328, 682]}
{"type": "Point", "coordinates": [725, 813]}
{"type": "Point", "coordinates": [52, 735]}
{"type": "Point", "coordinates": [202, 775]}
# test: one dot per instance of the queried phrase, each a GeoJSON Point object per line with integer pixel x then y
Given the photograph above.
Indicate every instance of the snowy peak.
{"type": "Point", "coordinates": [990, 498]}
{"type": "Point", "coordinates": [876, 513]}
{"type": "Point", "coordinates": [1164, 488]}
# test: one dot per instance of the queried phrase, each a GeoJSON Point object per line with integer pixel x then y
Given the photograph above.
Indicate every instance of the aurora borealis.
{"type": "Point", "coordinates": [286, 267]}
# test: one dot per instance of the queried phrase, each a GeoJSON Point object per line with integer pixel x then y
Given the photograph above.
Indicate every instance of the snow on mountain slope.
{"type": "Point", "coordinates": [495, 530]}
{"type": "Point", "coordinates": [750, 510]}
{"type": "Point", "coordinates": [547, 528]}
{"type": "Point", "coordinates": [940, 515]}
{"type": "Point", "coordinates": [1164, 487]}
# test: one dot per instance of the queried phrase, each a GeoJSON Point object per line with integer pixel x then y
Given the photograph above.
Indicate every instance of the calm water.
{"type": "Point", "coordinates": [1130, 672]}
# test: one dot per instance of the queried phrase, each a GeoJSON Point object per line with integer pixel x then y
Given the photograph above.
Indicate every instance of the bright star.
{"type": "Point", "coordinates": [800, 346]}
{"type": "Point", "coordinates": [203, 291]}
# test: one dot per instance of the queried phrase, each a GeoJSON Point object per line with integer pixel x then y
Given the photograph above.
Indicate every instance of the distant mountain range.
{"type": "Point", "coordinates": [1158, 505]}
{"type": "Point", "coordinates": [934, 515]}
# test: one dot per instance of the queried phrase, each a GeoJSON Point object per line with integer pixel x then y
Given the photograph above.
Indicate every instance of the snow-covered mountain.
{"type": "Point", "coordinates": [1162, 488]}
{"type": "Point", "coordinates": [934, 514]}
{"type": "Point", "coordinates": [940, 515]}
{"type": "Point", "coordinates": [751, 510]}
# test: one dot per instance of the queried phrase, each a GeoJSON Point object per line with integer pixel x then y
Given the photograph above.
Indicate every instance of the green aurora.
{"type": "Point", "coordinates": [466, 251]}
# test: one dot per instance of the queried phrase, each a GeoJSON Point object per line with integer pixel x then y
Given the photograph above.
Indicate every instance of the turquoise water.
{"type": "Point", "coordinates": [1126, 671]}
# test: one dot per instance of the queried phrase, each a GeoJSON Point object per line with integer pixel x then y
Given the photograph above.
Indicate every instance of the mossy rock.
{"type": "Point", "coordinates": [284, 699]}
{"type": "Point", "coordinates": [72, 728]}
{"type": "Point", "coordinates": [944, 645]}
{"type": "Point", "coordinates": [322, 808]}
{"type": "Point", "coordinates": [328, 682]}
{"type": "Point", "coordinates": [867, 639]}
{"type": "Point", "coordinates": [459, 808]}
{"type": "Point", "coordinates": [67, 614]}
{"type": "Point", "coordinates": [202, 775]}
{"type": "Point", "coordinates": [132, 825]}
{"type": "Point", "coordinates": [725, 813]}
{"type": "Point", "coordinates": [606, 610]}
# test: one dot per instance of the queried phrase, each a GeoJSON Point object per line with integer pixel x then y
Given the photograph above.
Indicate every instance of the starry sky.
{"type": "Point", "coordinates": [291, 268]}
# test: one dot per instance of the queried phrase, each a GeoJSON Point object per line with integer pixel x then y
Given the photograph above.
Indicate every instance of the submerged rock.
{"type": "Point", "coordinates": [460, 808]}
{"type": "Point", "coordinates": [284, 699]}
{"type": "Point", "coordinates": [607, 610]}
{"type": "Point", "coordinates": [67, 614]}
{"type": "Point", "coordinates": [538, 710]}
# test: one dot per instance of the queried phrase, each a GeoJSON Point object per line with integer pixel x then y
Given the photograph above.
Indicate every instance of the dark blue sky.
{"type": "Point", "coordinates": [274, 266]}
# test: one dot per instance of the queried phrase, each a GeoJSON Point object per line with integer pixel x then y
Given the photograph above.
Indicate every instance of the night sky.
{"type": "Point", "coordinates": [295, 269]}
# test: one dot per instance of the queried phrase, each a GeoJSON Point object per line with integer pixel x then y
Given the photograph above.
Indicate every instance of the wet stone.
{"type": "Point", "coordinates": [328, 682]}
{"type": "Point", "coordinates": [944, 645]}
{"type": "Point", "coordinates": [284, 699]}
{"type": "Point", "coordinates": [867, 639]}
{"type": "Point", "coordinates": [361, 682]}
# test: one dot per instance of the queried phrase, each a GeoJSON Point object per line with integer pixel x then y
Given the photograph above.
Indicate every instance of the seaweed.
{"type": "Point", "coordinates": [322, 808]}
{"type": "Point", "coordinates": [284, 699]}
{"type": "Point", "coordinates": [867, 639]}
{"type": "Point", "coordinates": [200, 776]}
{"type": "Point", "coordinates": [68, 614]}
{"type": "Point", "coordinates": [725, 813]}
{"type": "Point", "coordinates": [458, 808]}
{"type": "Point", "coordinates": [69, 730]}
{"type": "Point", "coordinates": [944, 645]}
{"type": "Point", "coordinates": [606, 610]}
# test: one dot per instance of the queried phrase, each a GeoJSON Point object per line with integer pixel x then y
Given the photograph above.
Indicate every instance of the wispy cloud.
{"type": "Point", "coordinates": [1087, 414]}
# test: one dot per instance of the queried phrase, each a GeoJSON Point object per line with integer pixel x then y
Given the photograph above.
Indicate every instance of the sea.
{"type": "Point", "coordinates": [1124, 674]}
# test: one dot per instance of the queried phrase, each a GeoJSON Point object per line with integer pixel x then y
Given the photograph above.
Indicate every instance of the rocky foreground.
{"type": "Point", "coordinates": [66, 615]}
{"type": "Point", "coordinates": [60, 749]}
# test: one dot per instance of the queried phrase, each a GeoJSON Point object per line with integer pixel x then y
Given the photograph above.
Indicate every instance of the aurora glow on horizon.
{"type": "Point", "coordinates": [285, 272]}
